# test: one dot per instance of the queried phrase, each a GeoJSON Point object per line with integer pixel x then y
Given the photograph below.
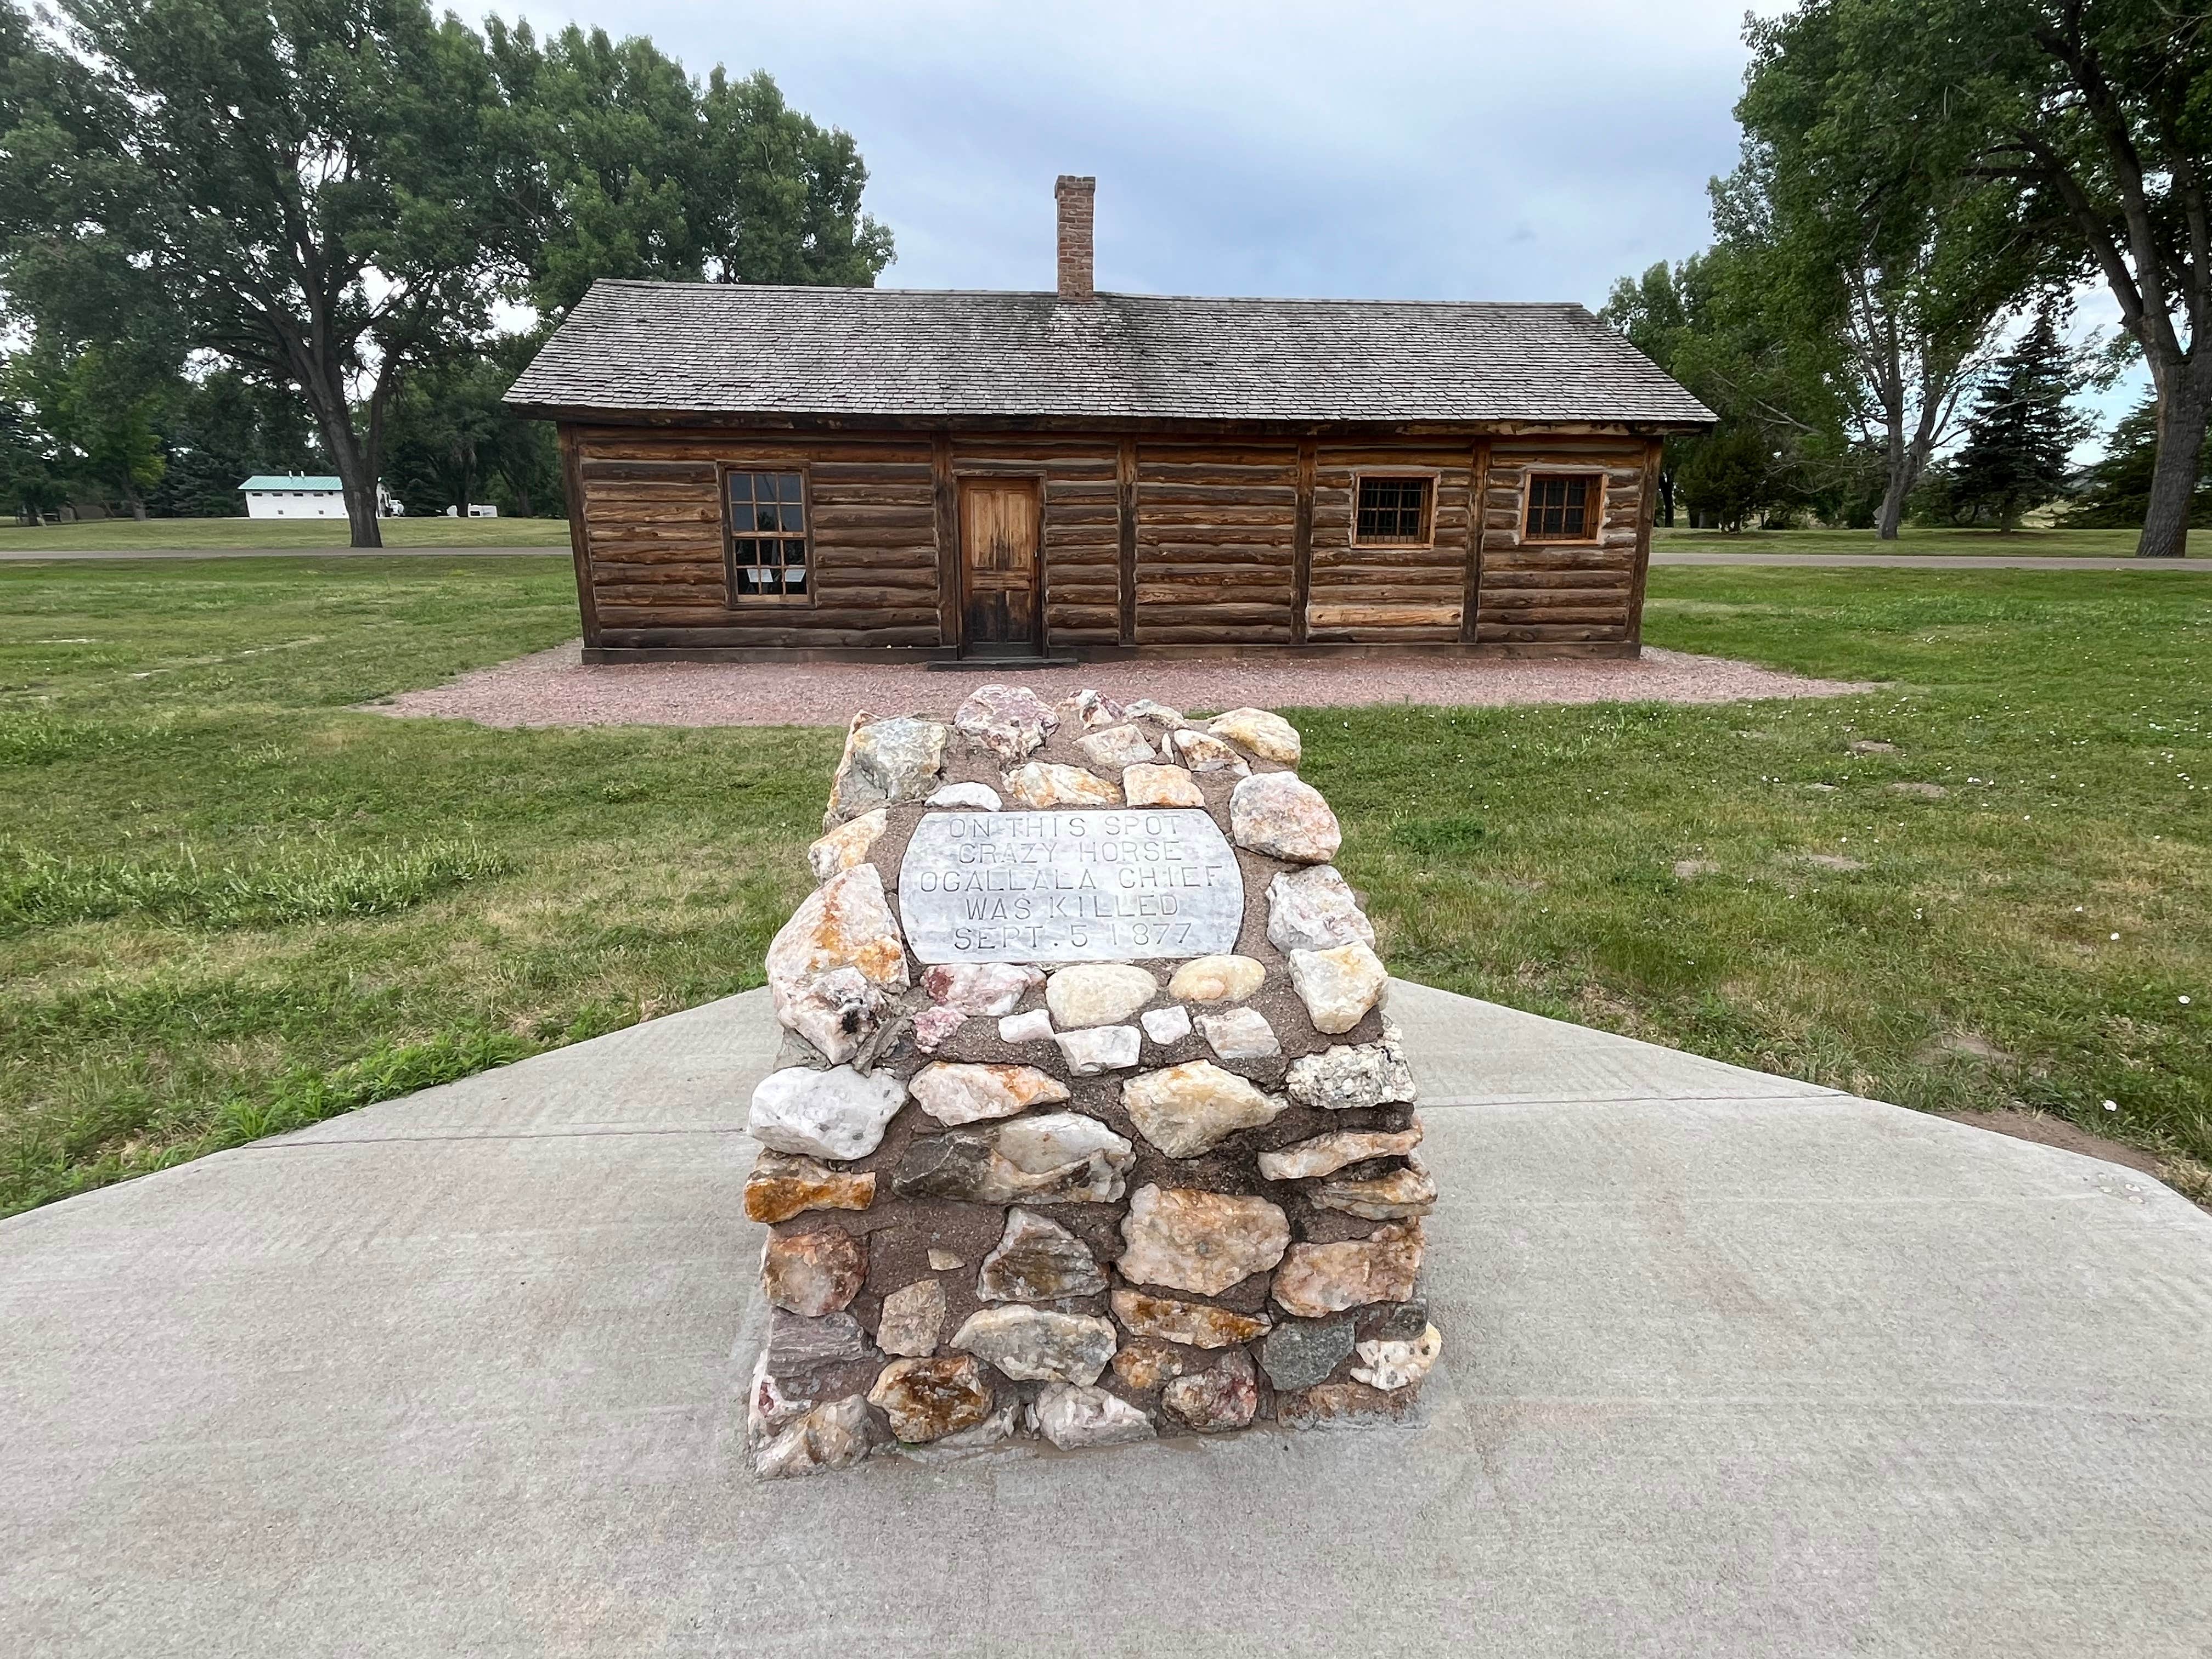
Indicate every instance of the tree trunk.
{"type": "Point", "coordinates": [1666, 498]}
{"type": "Point", "coordinates": [2183, 404]}
{"type": "Point", "coordinates": [1893, 506]}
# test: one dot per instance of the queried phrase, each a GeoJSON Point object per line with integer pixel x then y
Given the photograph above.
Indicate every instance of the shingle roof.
{"type": "Point", "coordinates": [744, 349]}
{"type": "Point", "coordinates": [291, 481]}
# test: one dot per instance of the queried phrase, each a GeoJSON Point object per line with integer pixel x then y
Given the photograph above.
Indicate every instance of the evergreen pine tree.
{"type": "Point", "coordinates": [2022, 433]}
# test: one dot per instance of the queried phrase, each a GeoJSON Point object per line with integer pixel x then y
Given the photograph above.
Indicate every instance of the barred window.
{"type": "Point", "coordinates": [1392, 512]}
{"type": "Point", "coordinates": [1560, 507]}
{"type": "Point", "coordinates": [767, 519]}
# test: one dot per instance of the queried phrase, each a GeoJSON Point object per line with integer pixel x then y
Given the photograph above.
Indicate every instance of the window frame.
{"type": "Point", "coordinates": [1432, 476]}
{"type": "Point", "coordinates": [1594, 531]}
{"type": "Point", "coordinates": [733, 596]}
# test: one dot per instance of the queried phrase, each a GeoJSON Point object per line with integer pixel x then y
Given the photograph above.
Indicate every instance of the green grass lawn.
{"type": "Point", "coordinates": [228, 906]}
{"type": "Point", "coordinates": [216, 535]}
{"type": "Point", "coordinates": [1992, 543]}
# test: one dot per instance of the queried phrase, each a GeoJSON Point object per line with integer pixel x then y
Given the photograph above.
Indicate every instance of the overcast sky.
{"type": "Point", "coordinates": [1492, 149]}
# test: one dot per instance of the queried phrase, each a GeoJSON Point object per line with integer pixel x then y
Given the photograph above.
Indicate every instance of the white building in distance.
{"type": "Point", "coordinates": [304, 496]}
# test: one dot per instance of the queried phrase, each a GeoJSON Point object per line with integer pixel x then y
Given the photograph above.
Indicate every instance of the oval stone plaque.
{"type": "Point", "coordinates": [1131, 884]}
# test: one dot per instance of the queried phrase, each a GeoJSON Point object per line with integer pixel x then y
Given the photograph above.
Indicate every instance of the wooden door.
{"type": "Point", "coordinates": [1000, 520]}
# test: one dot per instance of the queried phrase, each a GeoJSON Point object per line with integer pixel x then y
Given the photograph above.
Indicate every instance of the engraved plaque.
{"type": "Point", "coordinates": [1131, 883]}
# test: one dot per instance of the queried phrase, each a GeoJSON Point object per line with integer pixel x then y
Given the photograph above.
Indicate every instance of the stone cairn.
{"type": "Point", "coordinates": [1088, 1124]}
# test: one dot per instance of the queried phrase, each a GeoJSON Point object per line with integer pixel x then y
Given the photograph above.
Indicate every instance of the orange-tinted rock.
{"type": "Point", "coordinates": [1316, 1280]}
{"type": "Point", "coordinates": [813, 1273]}
{"type": "Point", "coordinates": [1210, 1402]}
{"type": "Point", "coordinates": [782, 1187]}
{"type": "Point", "coordinates": [1339, 1405]}
{"type": "Point", "coordinates": [928, 1399]}
{"type": "Point", "coordinates": [1192, 1324]}
{"type": "Point", "coordinates": [1146, 1364]}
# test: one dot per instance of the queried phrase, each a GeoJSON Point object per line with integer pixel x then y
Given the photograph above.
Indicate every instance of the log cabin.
{"type": "Point", "coordinates": [757, 472]}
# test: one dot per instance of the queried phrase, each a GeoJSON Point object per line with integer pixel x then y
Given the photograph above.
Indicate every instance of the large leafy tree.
{"type": "Point", "coordinates": [616, 164]}
{"type": "Point", "coordinates": [1778, 444]}
{"type": "Point", "coordinates": [2093, 121]}
{"type": "Point", "coordinates": [1908, 269]}
{"type": "Point", "coordinates": [304, 184]}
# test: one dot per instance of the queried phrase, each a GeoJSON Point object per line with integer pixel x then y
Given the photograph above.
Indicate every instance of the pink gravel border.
{"type": "Point", "coordinates": [554, 688]}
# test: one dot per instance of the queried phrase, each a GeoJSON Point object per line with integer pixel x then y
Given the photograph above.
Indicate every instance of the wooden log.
{"type": "Point", "coordinates": [650, 635]}
{"type": "Point", "coordinates": [1488, 632]}
{"type": "Point", "coordinates": [593, 471]}
{"type": "Point", "coordinates": [1379, 615]}
{"type": "Point", "coordinates": [947, 539]}
{"type": "Point", "coordinates": [1126, 540]}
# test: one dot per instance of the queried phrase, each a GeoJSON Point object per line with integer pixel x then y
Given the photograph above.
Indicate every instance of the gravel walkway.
{"type": "Point", "coordinates": [554, 688]}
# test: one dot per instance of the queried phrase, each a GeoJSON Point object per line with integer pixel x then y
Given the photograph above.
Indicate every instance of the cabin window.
{"type": "Point", "coordinates": [1562, 507]}
{"type": "Point", "coordinates": [767, 519]}
{"type": "Point", "coordinates": [1392, 512]}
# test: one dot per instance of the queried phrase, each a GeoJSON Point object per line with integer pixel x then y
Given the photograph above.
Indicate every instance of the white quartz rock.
{"type": "Point", "coordinates": [1096, 1049]}
{"type": "Point", "coordinates": [1045, 1141]}
{"type": "Point", "coordinates": [1217, 979]}
{"type": "Point", "coordinates": [980, 796]}
{"type": "Point", "coordinates": [838, 1113]}
{"type": "Point", "coordinates": [1161, 785]}
{"type": "Point", "coordinates": [1326, 1154]}
{"type": "Point", "coordinates": [1338, 987]}
{"type": "Point", "coordinates": [845, 923]}
{"type": "Point", "coordinates": [1315, 909]}
{"type": "Point", "coordinates": [1352, 1076]}
{"type": "Point", "coordinates": [1239, 1034]}
{"type": "Point", "coordinates": [1097, 993]}
{"type": "Point", "coordinates": [1072, 1417]}
{"type": "Point", "coordinates": [1166, 1025]}
{"type": "Point", "coordinates": [1201, 753]}
{"type": "Point", "coordinates": [954, 1092]}
{"type": "Point", "coordinates": [1280, 814]}
{"type": "Point", "coordinates": [831, 1435]}
{"type": "Point", "coordinates": [841, 849]}
{"type": "Point", "coordinates": [885, 762]}
{"type": "Point", "coordinates": [1156, 714]}
{"type": "Point", "coordinates": [1035, 1345]}
{"type": "Point", "coordinates": [1391, 1365]}
{"type": "Point", "coordinates": [1090, 710]}
{"type": "Point", "coordinates": [1043, 784]}
{"type": "Point", "coordinates": [1035, 1026]}
{"type": "Point", "coordinates": [911, 1319]}
{"type": "Point", "coordinates": [986, 989]}
{"type": "Point", "coordinates": [1188, 1110]}
{"type": "Point", "coordinates": [1116, 747]}
{"type": "Point", "coordinates": [1198, 1241]}
{"type": "Point", "coordinates": [1009, 720]}
{"type": "Point", "coordinates": [1266, 734]}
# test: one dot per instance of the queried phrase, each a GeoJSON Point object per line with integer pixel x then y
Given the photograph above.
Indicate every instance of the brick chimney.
{"type": "Point", "coordinates": [1074, 196]}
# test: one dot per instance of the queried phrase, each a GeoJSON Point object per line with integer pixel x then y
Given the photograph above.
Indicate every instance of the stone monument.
{"type": "Point", "coordinates": [1088, 1124]}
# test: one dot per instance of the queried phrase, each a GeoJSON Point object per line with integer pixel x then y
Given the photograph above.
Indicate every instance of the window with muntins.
{"type": "Point", "coordinates": [1561, 508]}
{"type": "Point", "coordinates": [1392, 512]}
{"type": "Point", "coordinates": [767, 517]}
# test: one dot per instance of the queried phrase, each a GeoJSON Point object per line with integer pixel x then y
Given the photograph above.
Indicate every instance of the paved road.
{"type": "Point", "coordinates": [1933, 561]}
{"type": "Point", "coordinates": [96, 554]}
{"type": "Point", "coordinates": [1735, 1365]}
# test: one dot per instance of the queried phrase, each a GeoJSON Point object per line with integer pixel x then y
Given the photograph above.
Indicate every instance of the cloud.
{"type": "Point", "coordinates": [1421, 150]}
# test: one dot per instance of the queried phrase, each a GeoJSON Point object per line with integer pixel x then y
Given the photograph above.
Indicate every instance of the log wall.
{"type": "Point", "coordinates": [1147, 541]}
{"type": "Point", "coordinates": [1388, 593]}
{"type": "Point", "coordinates": [1216, 543]}
{"type": "Point", "coordinates": [1562, 594]}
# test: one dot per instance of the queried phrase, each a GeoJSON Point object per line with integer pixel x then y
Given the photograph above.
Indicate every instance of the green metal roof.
{"type": "Point", "coordinates": [295, 481]}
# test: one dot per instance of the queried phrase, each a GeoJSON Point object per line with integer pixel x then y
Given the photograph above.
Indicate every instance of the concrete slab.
{"type": "Point", "coordinates": [1731, 1371]}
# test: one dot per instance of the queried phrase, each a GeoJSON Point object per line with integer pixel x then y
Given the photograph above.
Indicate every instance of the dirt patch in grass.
{"type": "Point", "coordinates": [2047, 1131]}
{"type": "Point", "coordinates": [557, 687]}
